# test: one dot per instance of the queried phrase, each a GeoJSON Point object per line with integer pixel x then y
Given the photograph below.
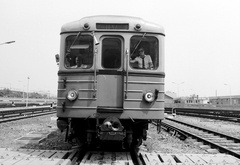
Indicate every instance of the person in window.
{"type": "Point", "coordinates": [79, 63]}
{"type": "Point", "coordinates": [144, 61]}
{"type": "Point", "coordinates": [68, 61]}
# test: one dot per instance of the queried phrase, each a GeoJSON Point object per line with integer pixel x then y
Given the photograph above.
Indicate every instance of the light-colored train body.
{"type": "Point", "coordinates": [105, 94]}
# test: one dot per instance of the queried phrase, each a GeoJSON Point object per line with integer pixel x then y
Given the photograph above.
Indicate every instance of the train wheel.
{"type": "Point", "coordinates": [80, 140]}
{"type": "Point", "coordinates": [80, 135]}
{"type": "Point", "coordinates": [129, 140]}
{"type": "Point", "coordinates": [137, 142]}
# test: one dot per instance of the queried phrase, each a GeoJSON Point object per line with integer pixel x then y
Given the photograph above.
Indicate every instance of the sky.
{"type": "Point", "coordinates": [202, 42]}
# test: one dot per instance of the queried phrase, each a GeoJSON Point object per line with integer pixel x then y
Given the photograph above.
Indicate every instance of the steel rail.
{"type": "Point", "coordinates": [20, 110]}
{"type": "Point", "coordinates": [23, 113]}
{"type": "Point", "coordinates": [207, 130]}
{"type": "Point", "coordinates": [213, 116]}
{"type": "Point", "coordinates": [207, 141]}
{"type": "Point", "coordinates": [26, 116]}
{"type": "Point", "coordinates": [84, 155]}
{"type": "Point", "coordinates": [233, 116]}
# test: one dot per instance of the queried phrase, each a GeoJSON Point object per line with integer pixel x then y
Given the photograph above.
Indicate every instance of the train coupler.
{"type": "Point", "coordinates": [111, 130]}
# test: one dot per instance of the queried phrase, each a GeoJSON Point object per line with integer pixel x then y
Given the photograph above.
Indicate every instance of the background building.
{"type": "Point", "coordinates": [225, 100]}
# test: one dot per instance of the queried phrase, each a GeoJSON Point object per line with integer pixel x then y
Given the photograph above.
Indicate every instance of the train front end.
{"type": "Point", "coordinates": [104, 93]}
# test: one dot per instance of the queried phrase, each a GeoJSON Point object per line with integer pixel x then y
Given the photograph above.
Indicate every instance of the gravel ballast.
{"type": "Point", "coordinates": [162, 142]}
{"type": "Point", "coordinates": [230, 128]}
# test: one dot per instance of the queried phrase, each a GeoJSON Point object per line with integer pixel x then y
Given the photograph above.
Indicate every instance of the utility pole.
{"type": "Point", "coordinates": [27, 91]}
{"type": "Point", "coordinates": [230, 100]}
{"type": "Point", "coordinates": [178, 86]}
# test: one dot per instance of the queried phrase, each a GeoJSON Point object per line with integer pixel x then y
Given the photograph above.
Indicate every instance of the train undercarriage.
{"type": "Point", "coordinates": [96, 132]}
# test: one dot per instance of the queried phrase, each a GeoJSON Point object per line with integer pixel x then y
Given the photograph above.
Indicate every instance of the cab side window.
{"type": "Point", "coordinates": [144, 52]}
{"type": "Point", "coordinates": [79, 54]}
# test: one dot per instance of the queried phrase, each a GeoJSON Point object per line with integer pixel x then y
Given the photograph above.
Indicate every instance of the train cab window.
{"type": "Point", "coordinates": [79, 52]}
{"type": "Point", "coordinates": [144, 52]}
{"type": "Point", "coordinates": [111, 53]}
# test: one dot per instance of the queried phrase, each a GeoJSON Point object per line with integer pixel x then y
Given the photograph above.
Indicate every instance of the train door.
{"type": "Point", "coordinates": [110, 77]}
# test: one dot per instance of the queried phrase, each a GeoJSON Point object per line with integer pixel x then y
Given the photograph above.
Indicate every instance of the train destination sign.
{"type": "Point", "coordinates": [111, 26]}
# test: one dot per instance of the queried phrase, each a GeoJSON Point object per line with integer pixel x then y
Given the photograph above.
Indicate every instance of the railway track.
{"type": "Point", "coordinates": [89, 156]}
{"type": "Point", "coordinates": [84, 157]}
{"type": "Point", "coordinates": [222, 142]}
{"type": "Point", "coordinates": [13, 114]}
{"type": "Point", "coordinates": [219, 114]}
{"type": "Point", "coordinates": [213, 116]}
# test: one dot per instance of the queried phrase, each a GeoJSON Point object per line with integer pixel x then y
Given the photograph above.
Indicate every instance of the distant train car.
{"type": "Point", "coordinates": [111, 79]}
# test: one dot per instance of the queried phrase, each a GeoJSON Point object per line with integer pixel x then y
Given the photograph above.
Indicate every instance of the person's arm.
{"type": "Point", "coordinates": [151, 65]}
{"type": "Point", "coordinates": [150, 62]}
{"type": "Point", "coordinates": [132, 61]}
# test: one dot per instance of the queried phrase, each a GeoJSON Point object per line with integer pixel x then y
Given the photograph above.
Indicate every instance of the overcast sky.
{"type": "Point", "coordinates": [202, 43]}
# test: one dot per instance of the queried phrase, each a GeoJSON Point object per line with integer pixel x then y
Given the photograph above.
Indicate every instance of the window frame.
{"type": "Point", "coordinates": [151, 47]}
{"type": "Point", "coordinates": [118, 51]}
{"type": "Point", "coordinates": [88, 52]}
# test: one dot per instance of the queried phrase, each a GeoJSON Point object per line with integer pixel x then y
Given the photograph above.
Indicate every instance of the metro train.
{"type": "Point", "coordinates": [106, 94]}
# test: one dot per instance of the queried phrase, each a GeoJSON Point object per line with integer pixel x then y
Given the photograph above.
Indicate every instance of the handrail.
{"type": "Point", "coordinates": [95, 73]}
{"type": "Point", "coordinates": [127, 58]}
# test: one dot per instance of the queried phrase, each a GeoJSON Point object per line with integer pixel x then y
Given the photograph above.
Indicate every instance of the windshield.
{"type": "Point", "coordinates": [144, 52]}
{"type": "Point", "coordinates": [79, 54]}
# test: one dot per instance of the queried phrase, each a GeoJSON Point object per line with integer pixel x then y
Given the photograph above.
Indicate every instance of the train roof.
{"type": "Point", "coordinates": [112, 22]}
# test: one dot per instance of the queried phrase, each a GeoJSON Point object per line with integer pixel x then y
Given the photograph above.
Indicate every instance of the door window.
{"type": "Point", "coordinates": [111, 53]}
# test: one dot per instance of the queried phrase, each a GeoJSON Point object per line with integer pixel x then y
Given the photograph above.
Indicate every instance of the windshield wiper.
{"type": "Point", "coordinates": [137, 44]}
{"type": "Point", "coordinates": [69, 49]}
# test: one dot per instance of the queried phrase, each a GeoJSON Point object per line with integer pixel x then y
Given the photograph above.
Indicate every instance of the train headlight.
{"type": "Point", "coordinates": [138, 27]}
{"type": "Point", "coordinates": [72, 95]}
{"type": "Point", "coordinates": [86, 26]}
{"type": "Point", "coordinates": [149, 97]}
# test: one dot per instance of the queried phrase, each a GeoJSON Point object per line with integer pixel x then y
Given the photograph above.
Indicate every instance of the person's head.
{"type": "Point", "coordinates": [141, 51]}
{"type": "Point", "coordinates": [78, 61]}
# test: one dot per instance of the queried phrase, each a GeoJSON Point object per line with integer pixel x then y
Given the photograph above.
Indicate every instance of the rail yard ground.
{"type": "Point", "coordinates": [162, 142]}
{"type": "Point", "coordinates": [227, 127]}
{"type": "Point", "coordinates": [16, 129]}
